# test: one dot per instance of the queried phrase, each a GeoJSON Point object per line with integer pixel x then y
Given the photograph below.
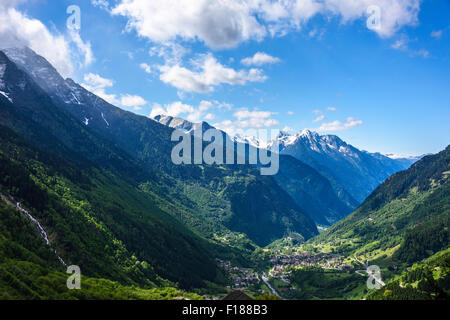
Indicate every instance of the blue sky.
{"type": "Point", "coordinates": [263, 64]}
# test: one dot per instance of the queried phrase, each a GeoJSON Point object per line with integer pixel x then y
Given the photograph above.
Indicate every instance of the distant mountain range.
{"type": "Point", "coordinates": [309, 189]}
{"type": "Point", "coordinates": [353, 174]}
{"type": "Point", "coordinates": [348, 168]}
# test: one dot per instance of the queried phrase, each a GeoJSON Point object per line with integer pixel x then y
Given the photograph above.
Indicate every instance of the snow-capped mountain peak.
{"type": "Point", "coordinates": [182, 124]}
{"type": "Point", "coordinates": [194, 128]}
{"type": "Point", "coordinates": [45, 74]}
{"type": "Point", "coordinates": [312, 140]}
{"type": "Point", "coordinates": [63, 91]}
{"type": "Point", "coordinates": [307, 133]}
{"type": "Point", "coordinates": [250, 140]}
{"type": "Point", "coordinates": [36, 66]}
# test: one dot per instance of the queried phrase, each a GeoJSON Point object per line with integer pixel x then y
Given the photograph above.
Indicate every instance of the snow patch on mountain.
{"type": "Point", "coordinates": [327, 144]}
{"type": "Point", "coordinates": [409, 157]}
{"type": "Point", "coordinates": [107, 123]}
{"type": "Point", "coordinates": [2, 73]}
{"type": "Point", "coordinates": [36, 66]}
{"type": "Point", "coordinates": [251, 140]}
{"type": "Point", "coordinates": [199, 128]}
{"type": "Point", "coordinates": [45, 75]}
{"type": "Point", "coordinates": [182, 124]}
{"type": "Point", "coordinates": [6, 96]}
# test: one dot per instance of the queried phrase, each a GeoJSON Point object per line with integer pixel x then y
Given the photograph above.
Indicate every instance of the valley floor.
{"type": "Point", "coordinates": [310, 272]}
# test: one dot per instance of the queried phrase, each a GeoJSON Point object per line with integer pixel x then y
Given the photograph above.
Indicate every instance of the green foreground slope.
{"type": "Point", "coordinates": [29, 269]}
{"type": "Point", "coordinates": [100, 222]}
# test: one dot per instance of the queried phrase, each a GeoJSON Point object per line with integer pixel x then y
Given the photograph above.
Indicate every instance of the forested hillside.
{"type": "Point", "coordinates": [90, 225]}
{"type": "Point", "coordinates": [407, 216]}
{"type": "Point", "coordinates": [428, 280]}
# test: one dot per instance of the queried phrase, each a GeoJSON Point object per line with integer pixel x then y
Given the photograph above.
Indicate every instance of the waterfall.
{"type": "Point", "coordinates": [40, 229]}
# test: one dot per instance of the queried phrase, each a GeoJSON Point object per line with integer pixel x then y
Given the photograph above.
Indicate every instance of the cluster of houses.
{"type": "Point", "coordinates": [241, 277]}
{"type": "Point", "coordinates": [282, 264]}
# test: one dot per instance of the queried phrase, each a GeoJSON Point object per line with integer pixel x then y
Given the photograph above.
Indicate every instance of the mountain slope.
{"type": "Point", "coordinates": [347, 168]}
{"type": "Point", "coordinates": [85, 183]}
{"type": "Point", "coordinates": [428, 280]}
{"type": "Point", "coordinates": [29, 268]}
{"type": "Point", "coordinates": [310, 190]}
{"type": "Point", "coordinates": [92, 226]}
{"type": "Point", "coordinates": [407, 216]}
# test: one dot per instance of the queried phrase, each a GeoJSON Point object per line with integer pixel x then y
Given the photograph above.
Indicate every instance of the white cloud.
{"type": "Point", "coordinates": [208, 74]}
{"type": "Point", "coordinates": [177, 108]}
{"type": "Point", "coordinates": [259, 59]}
{"type": "Point", "coordinates": [145, 67]}
{"type": "Point", "coordinates": [225, 24]}
{"type": "Point", "coordinates": [248, 120]}
{"type": "Point", "coordinates": [258, 123]}
{"type": "Point", "coordinates": [245, 119]}
{"type": "Point", "coordinates": [97, 82]}
{"type": "Point", "coordinates": [157, 110]}
{"type": "Point", "coordinates": [402, 44]}
{"type": "Point", "coordinates": [228, 126]}
{"type": "Point", "coordinates": [134, 101]}
{"type": "Point", "coordinates": [84, 48]}
{"type": "Point", "coordinates": [319, 118]}
{"type": "Point", "coordinates": [170, 51]}
{"type": "Point", "coordinates": [290, 113]}
{"type": "Point", "coordinates": [234, 127]}
{"type": "Point", "coordinates": [320, 115]}
{"type": "Point", "coordinates": [223, 105]}
{"type": "Point", "coordinates": [437, 34]}
{"type": "Point", "coordinates": [181, 94]}
{"type": "Point", "coordinates": [129, 54]}
{"type": "Point", "coordinates": [288, 129]}
{"type": "Point", "coordinates": [219, 24]}
{"type": "Point", "coordinates": [244, 114]}
{"type": "Point", "coordinates": [191, 113]}
{"type": "Point", "coordinates": [395, 14]}
{"type": "Point", "coordinates": [6, 4]}
{"type": "Point", "coordinates": [205, 105]}
{"type": "Point", "coordinates": [102, 4]}
{"type": "Point", "coordinates": [421, 53]}
{"type": "Point", "coordinates": [98, 85]}
{"type": "Point", "coordinates": [339, 126]}
{"type": "Point", "coordinates": [316, 33]}
{"type": "Point", "coordinates": [18, 30]}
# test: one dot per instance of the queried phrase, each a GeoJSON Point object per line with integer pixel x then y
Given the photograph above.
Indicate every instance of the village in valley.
{"type": "Point", "coordinates": [279, 271]}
